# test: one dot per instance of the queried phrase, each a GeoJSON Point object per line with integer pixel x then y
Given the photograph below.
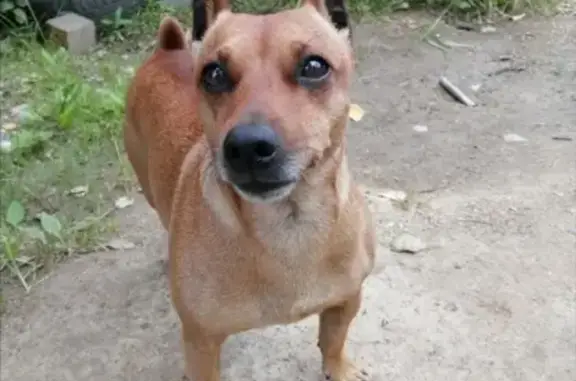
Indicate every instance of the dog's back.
{"type": "Point", "coordinates": [161, 123]}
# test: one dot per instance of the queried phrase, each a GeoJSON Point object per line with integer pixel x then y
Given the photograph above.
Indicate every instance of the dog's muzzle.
{"type": "Point", "coordinates": [256, 163]}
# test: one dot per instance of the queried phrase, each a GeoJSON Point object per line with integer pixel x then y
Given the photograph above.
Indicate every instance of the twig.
{"type": "Point", "coordinates": [509, 69]}
{"type": "Point", "coordinates": [456, 93]}
{"type": "Point", "coordinates": [435, 23]}
{"type": "Point", "coordinates": [435, 44]}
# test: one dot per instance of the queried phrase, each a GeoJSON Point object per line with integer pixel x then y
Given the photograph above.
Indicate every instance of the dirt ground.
{"type": "Point", "coordinates": [493, 298]}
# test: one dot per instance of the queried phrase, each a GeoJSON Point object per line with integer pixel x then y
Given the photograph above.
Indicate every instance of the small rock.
{"type": "Point", "coordinates": [79, 191]}
{"type": "Point", "coordinates": [123, 202]}
{"type": "Point", "coordinates": [407, 243]}
{"type": "Point", "coordinates": [72, 31]}
{"type": "Point", "coordinates": [517, 17]}
{"type": "Point", "coordinates": [487, 29]}
{"type": "Point", "coordinates": [420, 128]}
{"type": "Point", "coordinates": [514, 138]}
{"type": "Point", "coordinates": [21, 112]}
{"type": "Point", "coordinates": [452, 307]}
{"type": "Point", "coordinates": [475, 87]}
{"type": "Point", "coordinates": [392, 194]}
{"type": "Point", "coordinates": [120, 244]}
{"type": "Point", "coordinates": [5, 143]}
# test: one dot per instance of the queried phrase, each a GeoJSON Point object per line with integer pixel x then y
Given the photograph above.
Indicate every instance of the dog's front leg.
{"type": "Point", "coordinates": [334, 325]}
{"type": "Point", "coordinates": [201, 355]}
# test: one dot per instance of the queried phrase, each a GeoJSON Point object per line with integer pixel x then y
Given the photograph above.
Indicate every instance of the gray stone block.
{"type": "Point", "coordinates": [74, 32]}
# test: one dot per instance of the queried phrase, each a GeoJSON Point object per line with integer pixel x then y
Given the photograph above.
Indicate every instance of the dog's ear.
{"type": "Point", "coordinates": [339, 15]}
{"type": "Point", "coordinates": [170, 35]}
{"type": "Point", "coordinates": [336, 12]}
{"type": "Point", "coordinates": [204, 12]}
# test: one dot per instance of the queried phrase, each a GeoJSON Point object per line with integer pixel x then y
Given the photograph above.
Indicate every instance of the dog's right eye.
{"type": "Point", "coordinates": [215, 78]}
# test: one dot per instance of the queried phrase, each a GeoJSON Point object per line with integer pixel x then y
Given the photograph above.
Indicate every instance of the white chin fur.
{"type": "Point", "coordinates": [267, 198]}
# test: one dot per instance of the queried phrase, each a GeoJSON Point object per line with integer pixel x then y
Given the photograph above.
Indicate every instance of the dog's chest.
{"type": "Point", "coordinates": [279, 290]}
{"type": "Point", "coordinates": [295, 271]}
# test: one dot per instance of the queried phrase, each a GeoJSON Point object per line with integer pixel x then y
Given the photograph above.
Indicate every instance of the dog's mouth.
{"type": "Point", "coordinates": [264, 187]}
{"type": "Point", "coordinates": [260, 187]}
{"type": "Point", "coordinates": [264, 191]}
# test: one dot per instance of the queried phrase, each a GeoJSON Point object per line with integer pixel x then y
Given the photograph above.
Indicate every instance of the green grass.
{"type": "Point", "coordinates": [467, 9]}
{"type": "Point", "coordinates": [68, 140]}
{"type": "Point", "coordinates": [71, 136]}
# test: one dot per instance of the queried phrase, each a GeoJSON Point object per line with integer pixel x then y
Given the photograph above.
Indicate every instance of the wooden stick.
{"type": "Point", "coordinates": [455, 92]}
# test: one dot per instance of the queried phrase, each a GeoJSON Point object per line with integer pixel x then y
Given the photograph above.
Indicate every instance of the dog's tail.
{"type": "Point", "coordinates": [171, 36]}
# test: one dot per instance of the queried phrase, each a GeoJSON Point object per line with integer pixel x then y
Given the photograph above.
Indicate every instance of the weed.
{"type": "Point", "coordinates": [66, 135]}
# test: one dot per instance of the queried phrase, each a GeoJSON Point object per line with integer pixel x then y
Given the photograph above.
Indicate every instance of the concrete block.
{"type": "Point", "coordinates": [74, 32]}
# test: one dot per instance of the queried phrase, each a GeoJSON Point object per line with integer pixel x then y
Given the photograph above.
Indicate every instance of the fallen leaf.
{"type": "Point", "coordinates": [22, 112]}
{"type": "Point", "coordinates": [514, 138]}
{"type": "Point", "coordinates": [123, 202]}
{"type": "Point", "coordinates": [79, 191]}
{"type": "Point", "coordinates": [356, 113]}
{"type": "Point", "coordinates": [407, 243]}
{"type": "Point", "coordinates": [120, 244]}
{"type": "Point", "coordinates": [396, 195]}
{"type": "Point", "coordinates": [517, 17]}
{"type": "Point", "coordinates": [9, 126]}
{"type": "Point", "coordinates": [487, 29]}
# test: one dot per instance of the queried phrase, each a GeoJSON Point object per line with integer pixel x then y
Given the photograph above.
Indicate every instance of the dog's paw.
{"type": "Point", "coordinates": [345, 371]}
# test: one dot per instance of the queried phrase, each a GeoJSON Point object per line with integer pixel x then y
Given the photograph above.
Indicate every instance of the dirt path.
{"type": "Point", "coordinates": [492, 300]}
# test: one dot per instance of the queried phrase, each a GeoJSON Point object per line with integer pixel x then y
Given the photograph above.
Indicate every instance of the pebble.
{"type": "Point", "coordinates": [475, 87]}
{"type": "Point", "coordinates": [407, 243]}
{"type": "Point", "coordinates": [123, 202]}
{"type": "Point", "coordinates": [514, 138]}
{"type": "Point", "coordinates": [21, 112]}
{"type": "Point", "coordinates": [392, 194]}
{"type": "Point", "coordinates": [420, 128]}
{"type": "Point", "coordinates": [487, 29]}
{"type": "Point", "coordinates": [120, 244]}
{"type": "Point", "coordinates": [5, 143]}
{"type": "Point", "coordinates": [79, 191]}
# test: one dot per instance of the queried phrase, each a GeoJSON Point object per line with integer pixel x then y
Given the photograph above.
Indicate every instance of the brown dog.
{"type": "Point", "coordinates": [241, 150]}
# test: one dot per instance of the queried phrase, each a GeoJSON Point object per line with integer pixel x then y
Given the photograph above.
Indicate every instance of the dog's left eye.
{"type": "Point", "coordinates": [215, 78]}
{"type": "Point", "coordinates": [312, 71]}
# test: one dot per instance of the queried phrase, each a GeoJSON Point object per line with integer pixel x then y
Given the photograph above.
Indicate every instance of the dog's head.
{"type": "Point", "coordinates": [273, 95]}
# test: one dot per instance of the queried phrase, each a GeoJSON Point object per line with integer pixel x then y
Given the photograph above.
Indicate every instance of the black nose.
{"type": "Point", "coordinates": [250, 147]}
